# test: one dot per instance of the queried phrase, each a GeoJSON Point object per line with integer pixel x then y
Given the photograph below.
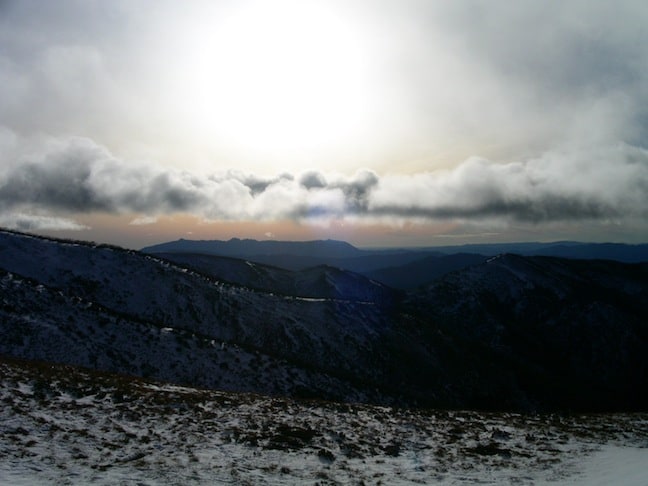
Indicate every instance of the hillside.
{"type": "Point", "coordinates": [322, 281]}
{"type": "Point", "coordinates": [61, 425]}
{"type": "Point", "coordinates": [575, 331]}
{"type": "Point", "coordinates": [512, 333]}
{"type": "Point", "coordinates": [113, 306]}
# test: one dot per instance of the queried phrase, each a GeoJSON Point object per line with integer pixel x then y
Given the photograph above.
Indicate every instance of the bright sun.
{"type": "Point", "coordinates": [277, 76]}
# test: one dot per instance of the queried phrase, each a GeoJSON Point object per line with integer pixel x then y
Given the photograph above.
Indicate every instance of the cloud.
{"type": "Point", "coordinates": [75, 175]}
{"type": "Point", "coordinates": [497, 78]}
{"type": "Point", "coordinates": [599, 184]}
{"type": "Point", "coordinates": [358, 189]}
{"type": "Point", "coordinates": [509, 80]}
{"type": "Point", "coordinates": [255, 183]}
{"type": "Point", "coordinates": [31, 222]}
{"type": "Point", "coordinates": [143, 221]}
{"type": "Point", "coordinates": [59, 178]}
{"type": "Point", "coordinates": [312, 179]}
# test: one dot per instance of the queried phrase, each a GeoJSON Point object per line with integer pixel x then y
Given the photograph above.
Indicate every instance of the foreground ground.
{"type": "Point", "coordinates": [59, 425]}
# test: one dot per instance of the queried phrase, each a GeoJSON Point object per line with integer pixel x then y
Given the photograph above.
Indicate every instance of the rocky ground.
{"type": "Point", "coordinates": [60, 425]}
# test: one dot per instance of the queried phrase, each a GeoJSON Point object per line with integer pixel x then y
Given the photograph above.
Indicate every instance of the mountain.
{"type": "Point", "coordinates": [425, 270]}
{"type": "Point", "coordinates": [597, 251]}
{"type": "Point", "coordinates": [322, 282]}
{"type": "Point", "coordinates": [575, 331]}
{"type": "Point", "coordinates": [563, 249]}
{"type": "Point", "coordinates": [293, 255]}
{"type": "Point", "coordinates": [246, 248]}
{"type": "Point", "coordinates": [123, 311]}
{"type": "Point", "coordinates": [402, 268]}
{"type": "Point", "coordinates": [510, 333]}
{"type": "Point", "coordinates": [367, 261]}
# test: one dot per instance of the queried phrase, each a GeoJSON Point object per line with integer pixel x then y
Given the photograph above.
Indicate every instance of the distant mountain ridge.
{"type": "Point", "coordinates": [335, 249]}
{"type": "Point", "coordinates": [401, 268]}
{"type": "Point", "coordinates": [236, 247]}
{"type": "Point", "coordinates": [622, 252]}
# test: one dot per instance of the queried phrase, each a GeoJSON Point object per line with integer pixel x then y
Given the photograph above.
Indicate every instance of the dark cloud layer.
{"type": "Point", "coordinates": [312, 180]}
{"type": "Point", "coordinates": [77, 176]}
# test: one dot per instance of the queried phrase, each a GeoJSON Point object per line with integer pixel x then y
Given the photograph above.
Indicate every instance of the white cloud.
{"type": "Point", "coordinates": [73, 176]}
{"type": "Point", "coordinates": [143, 221]}
{"type": "Point", "coordinates": [579, 185]}
{"type": "Point", "coordinates": [34, 222]}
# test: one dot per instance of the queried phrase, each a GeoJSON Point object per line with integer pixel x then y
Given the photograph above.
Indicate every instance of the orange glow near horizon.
{"type": "Point", "coordinates": [119, 230]}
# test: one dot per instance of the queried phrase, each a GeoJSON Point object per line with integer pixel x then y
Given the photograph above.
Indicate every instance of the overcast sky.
{"type": "Point", "coordinates": [380, 122]}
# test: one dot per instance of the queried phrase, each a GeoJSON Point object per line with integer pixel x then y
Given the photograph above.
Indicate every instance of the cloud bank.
{"type": "Point", "coordinates": [34, 222]}
{"type": "Point", "coordinates": [72, 176]}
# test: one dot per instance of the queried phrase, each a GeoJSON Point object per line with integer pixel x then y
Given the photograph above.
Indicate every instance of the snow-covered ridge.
{"type": "Point", "coordinates": [325, 336]}
{"type": "Point", "coordinates": [515, 333]}
{"type": "Point", "coordinates": [320, 282]}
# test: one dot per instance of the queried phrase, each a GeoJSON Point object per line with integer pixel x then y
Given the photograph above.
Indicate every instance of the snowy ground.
{"type": "Point", "coordinates": [62, 426]}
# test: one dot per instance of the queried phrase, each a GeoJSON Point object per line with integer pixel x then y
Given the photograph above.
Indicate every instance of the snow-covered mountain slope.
{"type": "Point", "coordinates": [61, 425]}
{"type": "Point", "coordinates": [43, 323]}
{"type": "Point", "coordinates": [318, 336]}
{"type": "Point", "coordinates": [514, 333]}
{"type": "Point", "coordinates": [318, 282]}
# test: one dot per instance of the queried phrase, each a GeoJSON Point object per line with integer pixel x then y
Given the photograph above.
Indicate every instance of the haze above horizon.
{"type": "Point", "coordinates": [384, 124]}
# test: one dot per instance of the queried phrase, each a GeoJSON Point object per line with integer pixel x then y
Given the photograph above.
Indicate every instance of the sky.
{"type": "Point", "coordinates": [382, 123]}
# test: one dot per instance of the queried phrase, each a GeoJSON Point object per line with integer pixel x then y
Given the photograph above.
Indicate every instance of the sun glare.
{"type": "Point", "coordinates": [274, 76]}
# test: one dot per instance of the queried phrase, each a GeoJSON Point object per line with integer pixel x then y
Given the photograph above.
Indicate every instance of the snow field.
{"type": "Point", "coordinates": [65, 426]}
